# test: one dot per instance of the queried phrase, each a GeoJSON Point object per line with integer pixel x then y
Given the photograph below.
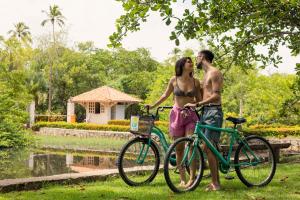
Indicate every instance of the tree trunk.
{"type": "Point", "coordinates": [241, 107]}
{"type": "Point", "coordinates": [51, 75]}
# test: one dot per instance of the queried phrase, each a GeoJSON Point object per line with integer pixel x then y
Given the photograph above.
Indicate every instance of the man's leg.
{"type": "Point", "coordinates": [214, 168]}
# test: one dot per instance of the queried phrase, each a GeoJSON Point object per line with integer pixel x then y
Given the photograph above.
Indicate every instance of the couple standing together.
{"type": "Point", "coordinates": [189, 91]}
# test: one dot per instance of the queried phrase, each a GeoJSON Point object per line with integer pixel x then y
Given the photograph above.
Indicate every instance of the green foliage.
{"type": "Point", "coordinates": [86, 126]}
{"type": "Point", "coordinates": [73, 142]}
{"type": "Point", "coordinates": [290, 111]}
{"type": "Point", "coordinates": [50, 118]}
{"type": "Point", "coordinates": [78, 72]}
{"type": "Point", "coordinates": [119, 122]}
{"type": "Point", "coordinates": [232, 28]}
{"type": "Point", "coordinates": [12, 163]}
{"type": "Point", "coordinates": [259, 97]}
{"type": "Point", "coordinates": [275, 132]}
{"type": "Point", "coordinates": [21, 32]}
{"type": "Point", "coordinates": [13, 103]}
{"type": "Point", "coordinates": [285, 185]}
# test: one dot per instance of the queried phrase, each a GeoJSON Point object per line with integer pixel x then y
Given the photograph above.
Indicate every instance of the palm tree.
{"type": "Point", "coordinates": [21, 32]}
{"type": "Point", "coordinates": [54, 16]}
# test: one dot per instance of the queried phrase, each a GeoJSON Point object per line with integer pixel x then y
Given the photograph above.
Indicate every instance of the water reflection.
{"type": "Point", "coordinates": [21, 164]}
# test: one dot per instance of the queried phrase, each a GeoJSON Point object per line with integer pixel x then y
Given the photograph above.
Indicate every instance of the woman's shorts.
{"type": "Point", "coordinates": [182, 121]}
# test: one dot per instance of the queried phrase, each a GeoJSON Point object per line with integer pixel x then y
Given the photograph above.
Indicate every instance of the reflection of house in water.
{"type": "Point", "coordinates": [50, 164]}
{"type": "Point", "coordinates": [89, 163]}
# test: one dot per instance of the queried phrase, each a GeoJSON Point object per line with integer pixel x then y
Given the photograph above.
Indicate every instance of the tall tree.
{"type": "Point", "coordinates": [235, 28]}
{"type": "Point", "coordinates": [21, 32]}
{"type": "Point", "coordinates": [55, 17]}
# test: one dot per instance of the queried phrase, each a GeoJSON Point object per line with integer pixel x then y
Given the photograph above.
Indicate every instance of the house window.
{"type": "Point", "coordinates": [99, 108]}
{"type": "Point", "coordinates": [96, 108]}
{"type": "Point", "coordinates": [91, 107]}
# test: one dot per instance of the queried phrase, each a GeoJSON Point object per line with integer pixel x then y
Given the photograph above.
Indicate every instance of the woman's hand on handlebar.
{"type": "Point", "coordinates": [148, 107]}
{"type": "Point", "coordinates": [190, 105]}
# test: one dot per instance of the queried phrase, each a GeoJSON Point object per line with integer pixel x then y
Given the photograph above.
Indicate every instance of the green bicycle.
{"type": "Point", "coordinates": [253, 160]}
{"type": "Point", "coordinates": [139, 159]}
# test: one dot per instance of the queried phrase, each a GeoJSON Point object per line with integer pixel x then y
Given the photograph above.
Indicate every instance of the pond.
{"type": "Point", "coordinates": [35, 163]}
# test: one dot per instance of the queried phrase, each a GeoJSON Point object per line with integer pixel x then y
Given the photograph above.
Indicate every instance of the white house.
{"type": "Point", "coordinates": [101, 104]}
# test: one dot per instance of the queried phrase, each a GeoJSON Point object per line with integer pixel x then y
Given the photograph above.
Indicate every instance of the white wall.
{"type": "Point", "coordinates": [101, 118]}
{"type": "Point", "coordinates": [120, 111]}
{"type": "Point", "coordinates": [70, 111]}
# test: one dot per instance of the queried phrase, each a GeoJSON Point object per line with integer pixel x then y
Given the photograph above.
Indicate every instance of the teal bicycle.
{"type": "Point", "coordinates": [139, 159]}
{"type": "Point", "coordinates": [251, 157]}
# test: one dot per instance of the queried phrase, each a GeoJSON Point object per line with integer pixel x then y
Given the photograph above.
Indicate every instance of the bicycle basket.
{"type": "Point", "coordinates": [141, 125]}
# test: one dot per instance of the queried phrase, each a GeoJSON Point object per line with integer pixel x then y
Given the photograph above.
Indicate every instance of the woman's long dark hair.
{"type": "Point", "coordinates": [180, 65]}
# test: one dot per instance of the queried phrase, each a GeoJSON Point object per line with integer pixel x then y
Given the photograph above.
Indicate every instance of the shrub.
{"type": "Point", "coordinates": [164, 126]}
{"type": "Point", "coordinates": [275, 132]}
{"type": "Point", "coordinates": [86, 126]}
{"type": "Point", "coordinates": [119, 122]}
{"type": "Point", "coordinates": [50, 118]}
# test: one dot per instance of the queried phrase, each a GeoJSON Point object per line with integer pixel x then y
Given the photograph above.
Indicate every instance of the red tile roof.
{"type": "Point", "coordinates": [105, 94]}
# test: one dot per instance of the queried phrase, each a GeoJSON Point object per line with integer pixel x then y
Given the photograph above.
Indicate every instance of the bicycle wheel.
{"type": "Point", "coordinates": [192, 158]}
{"type": "Point", "coordinates": [256, 161]}
{"type": "Point", "coordinates": [138, 162]}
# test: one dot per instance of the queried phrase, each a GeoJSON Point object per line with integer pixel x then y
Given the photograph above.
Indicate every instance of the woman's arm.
{"type": "Point", "coordinates": [166, 94]}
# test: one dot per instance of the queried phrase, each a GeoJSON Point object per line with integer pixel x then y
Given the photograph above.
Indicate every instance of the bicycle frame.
{"type": "Point", "coordinates": [155, 131]}
{"type": "Point", "coordinates": [234, 136]}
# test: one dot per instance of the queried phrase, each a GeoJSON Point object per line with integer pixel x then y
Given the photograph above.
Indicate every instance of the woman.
{"type": "Point", "coordinates": [186, 89]}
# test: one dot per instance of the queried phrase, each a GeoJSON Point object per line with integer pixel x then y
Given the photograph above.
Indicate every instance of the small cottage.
{"type": "Point", "coordinates": [101, 104]}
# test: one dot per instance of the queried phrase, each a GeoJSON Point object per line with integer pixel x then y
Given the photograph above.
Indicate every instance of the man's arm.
{"type": "Point", "coordinates": [199, 91]}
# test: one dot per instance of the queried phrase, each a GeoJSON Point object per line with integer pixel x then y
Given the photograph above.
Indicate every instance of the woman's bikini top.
{"type": "Point", "coordinates": [178, 92]}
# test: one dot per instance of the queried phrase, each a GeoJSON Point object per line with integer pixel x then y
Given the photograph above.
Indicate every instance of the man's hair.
{"type": "Point", "coordinates": [208, 55]}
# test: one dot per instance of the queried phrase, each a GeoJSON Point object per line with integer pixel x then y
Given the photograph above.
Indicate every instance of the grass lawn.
{"type": "Point", "coordinates": [285, 185]}
{"type": "Point", "coordinates": [82, 143]}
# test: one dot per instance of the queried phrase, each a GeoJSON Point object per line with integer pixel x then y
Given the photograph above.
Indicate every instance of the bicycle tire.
{"type": "Point", "coordinates": [130, 176]}
{"type": "Point", "coordinates": [267, 160]}
{"type": "Point", "coordinates": [167, 167]}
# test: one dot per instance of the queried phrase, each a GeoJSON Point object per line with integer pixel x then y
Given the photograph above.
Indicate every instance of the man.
{"type": "Point", "coordinates": [212, 110]}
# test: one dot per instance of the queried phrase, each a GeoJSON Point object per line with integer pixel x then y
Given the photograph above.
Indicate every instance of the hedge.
{"type": "Point", "coordinates": [276, 132]}
{"type": "Point", "coordinates": [127, 123]}
{"type": "Point", "coordinates": [123, 126]}
{"type": "Point", "coordinates": [50, 118]}
{"type": "Point", "coordinates": [86, 126]}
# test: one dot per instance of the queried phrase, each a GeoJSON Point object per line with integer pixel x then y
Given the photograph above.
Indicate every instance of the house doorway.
{"type": "Point", "coordinates": [113, 113]}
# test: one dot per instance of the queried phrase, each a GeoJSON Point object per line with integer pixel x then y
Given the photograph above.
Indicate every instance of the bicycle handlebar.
{"type": "Point", "coordinates": [159, 109]}
{"type": "Point", "coordinates": [162, 108]}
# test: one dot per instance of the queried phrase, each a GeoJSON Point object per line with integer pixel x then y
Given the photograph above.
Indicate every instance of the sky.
{"type": "Point", "coordinates": [94, 20]}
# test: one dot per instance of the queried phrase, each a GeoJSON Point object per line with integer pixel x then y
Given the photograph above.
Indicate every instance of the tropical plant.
{"type": "Point", "coordinates": [21, 32]}
{"type": "Point", "coordinates": [53, 16]}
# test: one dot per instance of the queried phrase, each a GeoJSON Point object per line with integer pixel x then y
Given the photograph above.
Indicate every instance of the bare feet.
{"type": "Point", "coordinates": [182, 184]}
{"type": "Point", "coordinates": [189, 183]}
{"type": "Point", "coordinates": [213, 187]}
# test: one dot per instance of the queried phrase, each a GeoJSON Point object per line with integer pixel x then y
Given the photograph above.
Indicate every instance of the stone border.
{"type": "Point", "coordinates": [8, 185]}
{"type": "Point", "coordinates": [34, 183]}
{"type": "Point", "coordinates": [83, 133]}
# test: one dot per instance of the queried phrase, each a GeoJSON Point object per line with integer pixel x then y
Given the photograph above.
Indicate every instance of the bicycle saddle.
{"type": "Point", "coordinates": [236, 120]}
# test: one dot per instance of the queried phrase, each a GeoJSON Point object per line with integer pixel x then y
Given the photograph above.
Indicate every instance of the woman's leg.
{"type": "Point", "coordinates": [179, 156]}
{"type": "Point", "coordinates": [193, 164]}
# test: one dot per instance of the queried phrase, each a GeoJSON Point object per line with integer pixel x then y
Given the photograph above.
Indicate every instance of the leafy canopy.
{"type": "Point", "coordinates": [232, 28]}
